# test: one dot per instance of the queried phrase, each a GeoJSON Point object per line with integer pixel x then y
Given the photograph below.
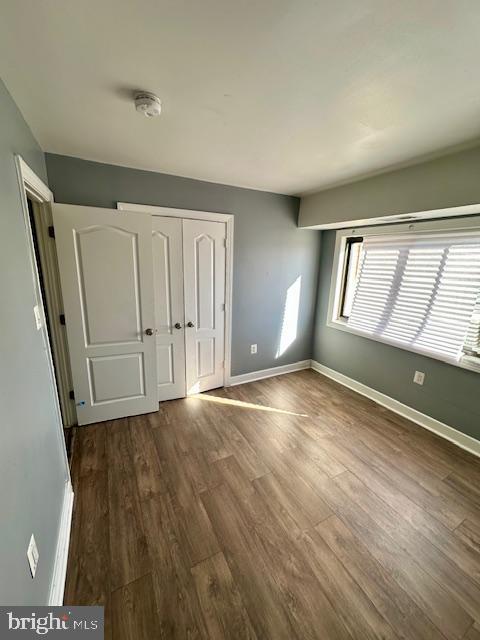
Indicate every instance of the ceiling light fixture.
{"type": "Point", "coordinates": [148, 103]}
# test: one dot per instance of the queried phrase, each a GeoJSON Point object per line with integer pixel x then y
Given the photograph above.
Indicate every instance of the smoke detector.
{"type": "Point", "coordinates": [148, 103]}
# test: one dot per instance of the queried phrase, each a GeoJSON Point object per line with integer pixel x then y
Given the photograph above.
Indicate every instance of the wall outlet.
{"type": "Point", "coordinates": [419, 377]}
{"type": "Point", "coordinates": [253, 348]}
{"type": "Point", "coordinates": [32, 555]}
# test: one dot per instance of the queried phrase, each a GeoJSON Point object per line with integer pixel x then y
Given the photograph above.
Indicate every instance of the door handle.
{"type": "Point", "coordinates": [190, 324]}
{"type": "Point", "coordinates": [177, 325]}
{"type": "Point", "coordinates": [149, 332]}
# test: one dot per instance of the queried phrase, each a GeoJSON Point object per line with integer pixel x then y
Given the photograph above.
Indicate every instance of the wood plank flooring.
{"type": "Point", "coordinates": [289, 508]}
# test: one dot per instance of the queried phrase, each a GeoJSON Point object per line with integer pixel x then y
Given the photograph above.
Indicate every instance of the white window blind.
{"type": "Point", "coordinates": [420, 291]}
{"type": "Point", "coordinates": [472, 341]}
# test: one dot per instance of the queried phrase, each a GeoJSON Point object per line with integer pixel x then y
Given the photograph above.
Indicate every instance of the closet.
{"type": "Point", "coordinates": [189, 283]}
{"type": "Point", "coordinates": [144, 299]}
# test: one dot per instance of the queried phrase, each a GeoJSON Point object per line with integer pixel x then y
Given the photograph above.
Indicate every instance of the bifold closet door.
{"type": "Point", "coordinates": [105, 260]}
{"type": "Point", "coordinates": [169, 307]}
{"type": "Point", "coordinates": [204, 291]}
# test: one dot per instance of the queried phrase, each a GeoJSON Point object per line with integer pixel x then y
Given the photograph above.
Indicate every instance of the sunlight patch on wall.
{"type": "Point", "coordinates": [290, 317]}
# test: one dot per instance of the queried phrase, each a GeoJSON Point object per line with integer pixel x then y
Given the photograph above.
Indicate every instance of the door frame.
{"type": "Point", "coordinates": [30, 184]}
{"type": "Point", "coordinates": [33, 187]}
{"type": "Point", "coordinates": [228, 220]}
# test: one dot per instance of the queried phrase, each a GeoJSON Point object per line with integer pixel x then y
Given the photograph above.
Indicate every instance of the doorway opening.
{"type": "Point", "coordinates": [40, 236]}
{"type": "Point", "coordinates": [67, 409]}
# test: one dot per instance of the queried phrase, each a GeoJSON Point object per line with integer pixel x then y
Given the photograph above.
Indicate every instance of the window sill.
{"type": "Point", "coordinates": [467, 362]}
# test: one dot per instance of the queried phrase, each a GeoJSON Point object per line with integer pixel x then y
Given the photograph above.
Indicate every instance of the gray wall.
{"type": "Point", "coordinates": [31, 461]}
{"type": "Point", "coordinates": [270, 252]}
{"type": "Point", "coordinates": [450, 181]}
{"type": "Point", "coordinates": [450, 394]}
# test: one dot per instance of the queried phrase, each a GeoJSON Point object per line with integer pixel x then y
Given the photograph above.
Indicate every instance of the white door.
{"type": "Point", "coordinates": [169, 308]}
{"type": "Point", "coordinates": [106, 272]}
{"type": "Point", "coordinates": [204, 290]}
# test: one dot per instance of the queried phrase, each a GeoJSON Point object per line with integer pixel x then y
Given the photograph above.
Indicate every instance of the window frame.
{"type": "Point", "coordinates": [339, 270]}
{"type": "Point", "coordinates": [349, 242]}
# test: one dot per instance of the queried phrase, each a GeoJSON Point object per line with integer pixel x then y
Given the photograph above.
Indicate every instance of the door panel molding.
{"type": "Point", "coordinates": [211, 216]}
{"type": "Point", "coordinates": [163, 359]}
{"type": "Point", "coordinates": [204, 243]}
{"type": "Point", "coordinates": [101, 371]}
{"type": "Point", "coordinates": [116, 261]}
{"type": "Point", "coordinates": [163, 280]}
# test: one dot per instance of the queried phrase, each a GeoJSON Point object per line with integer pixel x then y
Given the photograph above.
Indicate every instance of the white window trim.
{"type": "Point", "coordinates": [335, 321]}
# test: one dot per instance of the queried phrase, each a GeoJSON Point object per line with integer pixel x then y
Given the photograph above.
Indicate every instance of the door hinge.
{"type": "Point", "coordinates": [51, 232]}
{"type": "Point", "coordinates": [71, 395]}
{"type": "Point", "coordinates": [223, 364]}
{"type": "Point", "coordinates": [222, 307]}
{"type": "Point", "coordinates": [225, 242]}
{"type": "Point", "coordinates": [62, 318]}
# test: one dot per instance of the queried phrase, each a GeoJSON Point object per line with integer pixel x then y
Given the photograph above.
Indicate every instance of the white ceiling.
{"type": "Point", "coordinates": [285, 96]}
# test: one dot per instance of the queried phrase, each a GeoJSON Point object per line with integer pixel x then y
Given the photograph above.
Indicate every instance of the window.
{"type": "Point", "coordinates": [412, 286]}
{"type": "Point", "coordinates": [352, 268]}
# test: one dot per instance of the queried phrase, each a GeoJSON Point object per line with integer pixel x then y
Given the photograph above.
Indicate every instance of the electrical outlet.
{"type": "Point", "coordinates": [32, 555]}
{"type": "Point", "coordinates": [419, 377]}
{"type": "Point", "coordinates": [253, 348]}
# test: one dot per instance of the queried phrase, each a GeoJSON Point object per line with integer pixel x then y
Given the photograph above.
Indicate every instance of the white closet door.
{"type": "Point", "coordinates": [169, 308]}
{"type": "Point", "coordinates": [204, 290]}
{"type": "Point", "coordinates": [106, 272]}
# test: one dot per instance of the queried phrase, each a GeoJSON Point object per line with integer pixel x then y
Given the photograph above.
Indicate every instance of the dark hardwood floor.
{"type": "Point", "coordinates": [286, 508]}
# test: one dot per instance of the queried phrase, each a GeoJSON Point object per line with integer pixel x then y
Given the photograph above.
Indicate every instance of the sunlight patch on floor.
{"type": "Point", "coordinates": [246, 405]}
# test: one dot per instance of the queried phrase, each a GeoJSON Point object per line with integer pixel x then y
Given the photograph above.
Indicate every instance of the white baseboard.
{"type": "Point", "coordinates": [268, 373]}
{"type": "Point", "coordinates": [443, 430]}
{"type": "Point", "coordinates": [57, 586]}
